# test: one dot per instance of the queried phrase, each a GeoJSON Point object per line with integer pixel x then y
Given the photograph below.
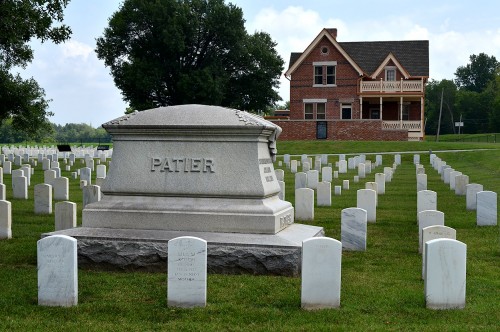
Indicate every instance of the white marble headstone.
{"type": "Point", "coordinates": [470, 196]}
{"type": "Point", "coordinates": [435, 232]}
{"type": "Point", "coordinates": [304, 204]}
{"type": "Point", "coordinates": [428, 218]}
{"type": "Point", "coordinates": [5, 220]}
{"type": "Point", "coordinates": [282, 192]}
{"type": "Point", "coordinates": [426, 200]}
{"type": "Point", "coordinates": [57, 271]}
{"type": "Point", "coordinates": [345, 184]}
{"type": "Point", "coordinates": [187, 272]}
{"type": "Point", "coordinates": [321, 273]}
{"type": "Point", "coordinates": [43, 198]}
{"type": "Point", "coordinates": [421, 182]}
{"type": "Point", "coordinates": [300, 180]}
{"type": "Point", "coordinates": [65, 215]}
{"type": "Point", "coordinates": [353, 229]}
{"type": "Point", "coordinates": [61, 188]}
{"type": "Point", "coordinates": [326, 174]}
{"type": "Point", "coordinates": [20, 187]}
{"type": "Point", "coordinates": [487, 210]}
{"type": "Point", "coordinates": [461, 181]}
{"type": "Point", "coordinates": [312, 179]}
{"type": "Point", "coordinates": [445, 274]}
{"type": "Point", "coordinates": [380, 180]}
{"type": "Point", "coordinates": [367, 200]}
{"type": "Point", "coordinates": [324, 194]}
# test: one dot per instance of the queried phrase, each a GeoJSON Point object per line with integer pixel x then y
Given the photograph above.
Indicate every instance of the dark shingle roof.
{"type": "Point", "coordinates": [413, 55]}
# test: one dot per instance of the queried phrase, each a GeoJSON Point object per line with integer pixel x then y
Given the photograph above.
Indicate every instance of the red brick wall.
{"type": "Point", "coordinates": [350, 130]}
{"type": "Point", "coordinates": [301, 84]}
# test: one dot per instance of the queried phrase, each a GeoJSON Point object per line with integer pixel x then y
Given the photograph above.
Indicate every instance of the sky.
{"type": "Point", "coordinates": [82, 89]}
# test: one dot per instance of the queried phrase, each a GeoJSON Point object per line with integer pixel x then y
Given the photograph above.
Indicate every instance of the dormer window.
{"type": "Point", "coordinates": [325, 73]}
{"type": "Point", "coordinates": [390, 73]}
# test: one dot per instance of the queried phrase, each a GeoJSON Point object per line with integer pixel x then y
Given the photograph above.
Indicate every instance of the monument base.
{"type": "Point", "coordinates": [228, 253]}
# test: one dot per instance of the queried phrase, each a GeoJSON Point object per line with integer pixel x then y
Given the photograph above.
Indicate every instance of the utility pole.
{"type": "Point", "coordinates": [440, 112]}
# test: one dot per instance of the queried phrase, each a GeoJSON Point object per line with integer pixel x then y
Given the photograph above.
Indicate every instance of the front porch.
{"type": "Point", "coordinates": [396, 113]}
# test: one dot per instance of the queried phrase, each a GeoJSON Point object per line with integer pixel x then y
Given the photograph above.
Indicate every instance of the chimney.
{"type": "Point", "coordinates": [333, 32]}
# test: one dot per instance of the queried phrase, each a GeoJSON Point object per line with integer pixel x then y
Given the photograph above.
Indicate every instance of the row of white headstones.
{"type": "Point", "coordinates": [54, 186]}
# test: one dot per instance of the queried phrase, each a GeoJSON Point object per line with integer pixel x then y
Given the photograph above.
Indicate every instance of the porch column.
{"type": "Point", "coordinates": [401, 112]}
{"type": "Point", "coordinates": [380, 107]}
{"type": "Point", "coordinates": [360, 107]}
{"type": "Point", "coordinates": [422, 124]}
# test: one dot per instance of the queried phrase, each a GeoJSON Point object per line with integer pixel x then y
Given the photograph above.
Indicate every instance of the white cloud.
{"type": "Point", "coordinates": [76, 49]}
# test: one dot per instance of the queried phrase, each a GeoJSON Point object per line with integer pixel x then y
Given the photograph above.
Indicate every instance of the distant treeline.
{"type": "Point", "coordinates": [69, 133]}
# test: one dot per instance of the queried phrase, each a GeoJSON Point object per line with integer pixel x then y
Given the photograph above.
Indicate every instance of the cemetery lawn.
{"type": "Point", "coordinates": [382, 288]}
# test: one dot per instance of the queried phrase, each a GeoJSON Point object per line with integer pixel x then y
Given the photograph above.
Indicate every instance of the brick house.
{"type": "Point", "coordinates": [357, 90]}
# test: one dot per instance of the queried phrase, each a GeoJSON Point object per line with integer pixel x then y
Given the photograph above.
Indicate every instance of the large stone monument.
{"type": "Point", "coordinates": [193, 170]}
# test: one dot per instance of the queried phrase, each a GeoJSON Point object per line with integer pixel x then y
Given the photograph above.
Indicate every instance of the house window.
{"type": "Point", "coordinates": [314, 109]}
{"type": "Point", "coordinates": [390, 73]}
{"type": "Point", "coordinates": [346, 112]}
{"type": "Point", "coordinates": [325, 73]}
{"type": "Point", "coordinates": [308, 111]}
{"type": "Point", "coordinates": [318, 75]}
{"type": "Point", "coordinates": [406, 112]}
{"type": "Point", "coordinates": [321, 111]}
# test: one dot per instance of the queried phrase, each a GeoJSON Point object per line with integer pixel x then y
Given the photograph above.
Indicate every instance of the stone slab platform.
{"type": "Point", "coordinates": [228, 253]}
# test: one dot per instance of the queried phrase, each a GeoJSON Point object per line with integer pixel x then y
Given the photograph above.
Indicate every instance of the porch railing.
{"type": "Point", "coordinates": [392, 86]}
{"type": "Point", "coordinates": [409, 125]}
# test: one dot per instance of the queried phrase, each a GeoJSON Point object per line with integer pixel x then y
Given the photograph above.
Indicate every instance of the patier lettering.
{"type": "Point", "coordinates": [185, 165]}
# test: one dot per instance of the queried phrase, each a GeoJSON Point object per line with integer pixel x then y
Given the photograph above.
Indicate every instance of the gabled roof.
{"type": "Point", "coordinates": [412, 55]}
{"type": "Point", "coordinates": [387, 60]}
{"type": "Point", "coordinates": [324, 33]}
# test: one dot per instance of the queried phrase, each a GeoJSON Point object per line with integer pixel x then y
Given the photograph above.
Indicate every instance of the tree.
{"type": "Point", "coordinates": [169, 52]}
{"type": "Point", "coordinates": [476, 74]}
{"type": "Point", "coordinates": [20, 21]}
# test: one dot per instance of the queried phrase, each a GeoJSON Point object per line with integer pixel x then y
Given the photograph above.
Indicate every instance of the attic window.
{"type": "Point", "coordinates": [324, 50]}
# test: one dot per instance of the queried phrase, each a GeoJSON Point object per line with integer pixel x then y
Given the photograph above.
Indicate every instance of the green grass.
{"type": "Point", "coordinates": [381, 288]}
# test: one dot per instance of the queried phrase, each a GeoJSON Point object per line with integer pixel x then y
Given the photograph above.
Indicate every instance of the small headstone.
{"type": "Point", "coordinates": [416, 159]}
{"type": "Point", "coordinates": [342, 167]}
{"type": "Point", "coordinates": [421, 182]}
{"type": "Point", "coordinates": [388, 174]}
{"type": "Point", "coordinates": [470, 197]}
{"type": "Point", "coordinates": [293, 166]}
{"type": "Point", "coordinates": [397, 159]}
{"type": "Point", "coordinates": [426, 200]}
{"type": "Point", "coordinates": [57, 271]}
{"type": "Point", "coordinates": [446, 175]}
{"type": "Point", "coordinates": [312, 179]}
{"type": "Point", "coordinates": [378, 160]}
{"type": "Point", "coordinates": [321, 273]}
{"type": "Point", "coordinates": [435, 232]}
{"type": "Point", "coordinates": [3, 193]}
{"type": "Point", "coordinates": [367, 199]}
{"type": "Point", "coordinates": [91, 194]}
{"type": "Point", "coordinates": [49, 176]}
{"type": "Point", "coordinates": [187, 272]}
{"type": "Point", "coordinates": [1, 175]}
{"type": "Point", "coordinates": [361, 171]}
{"type": "Point", "coordinates": [453, 178]}
{"type": "Point", "coordinates": [20, 187]}
{"type": "Point", "coordinates": [345, 184]}
{"type": "Point", "coordinates": [338, 190]}
{"type": "Point", "coordinates": [317, 165]}
{"type": "Point", "coordinates": [428, 218]}
{"type": "Point", "coordinates": [65, 215]}
{"type": "Point", "coordinates": [324, 195]}
{"type": "Point", "coordinates": [45, 164]}
{"type": "Point", "coordinates": [281, 194]}
{"type": "Point", "coordinates": [306, 167]}
{"type": "Point", "coordinates": [280, 174]}
{"type": "Point", "coordinates": [74, 175]}
{"type": "Point", "coordinates": [7, 167]}
{"type": "Point", "coordinates": [350, 163]}
{"type": "Point", "coordinates": [355, 179]}
{"type": "Point", "coordinates": [368, 167]}
{"type": "Point", "coordinates": [445, 274]}
{"type": "Point", "coordinates": [300, 180]}
{"type": "Point", "coordinates": [461, 181]}
{"type": "Point", "coordinates": [304, 204]}
{"type": "Point", "coordinates": [43, 198]}
{"type": "Point", "coordinates": [335, 174]}
{"type": "Point", "coordinates": [380, 180]}
{"type": "Point", "coordinates": [353, 229]}
{"type": "Point", "coordinates": [326, 174]}
{"type": "Point", "coordinates": [487, 208]}
{"type": "Point", "coordinates": [5, 220]}
{"type": "Point", "coordinates": [86, 174]}
{"type": "Point", "coordinates": [61, 188]}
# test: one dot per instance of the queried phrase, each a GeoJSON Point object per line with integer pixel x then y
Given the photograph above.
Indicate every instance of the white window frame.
{"type": "Point", "coordinates": [325, 65]}
{"type": "Point", "coordinates": [342, 106]}
{"type": "Point", "coordinates": [315, 103]}
{"type": "Point", "coordinates": [389, 69]}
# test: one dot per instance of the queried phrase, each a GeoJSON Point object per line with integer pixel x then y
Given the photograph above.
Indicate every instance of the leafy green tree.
{"type": "Point", "coordinates": [20, 21]}
{"type": "Point", "coordinates": [169, 52]}
{"type": "Point", "coordinates": [433, 92]}
{"type": "Point", "coordinates": [476, 74]}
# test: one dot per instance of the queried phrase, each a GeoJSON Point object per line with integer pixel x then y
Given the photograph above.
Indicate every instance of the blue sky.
{"type": "Point", "coordinates": [83, 91]}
